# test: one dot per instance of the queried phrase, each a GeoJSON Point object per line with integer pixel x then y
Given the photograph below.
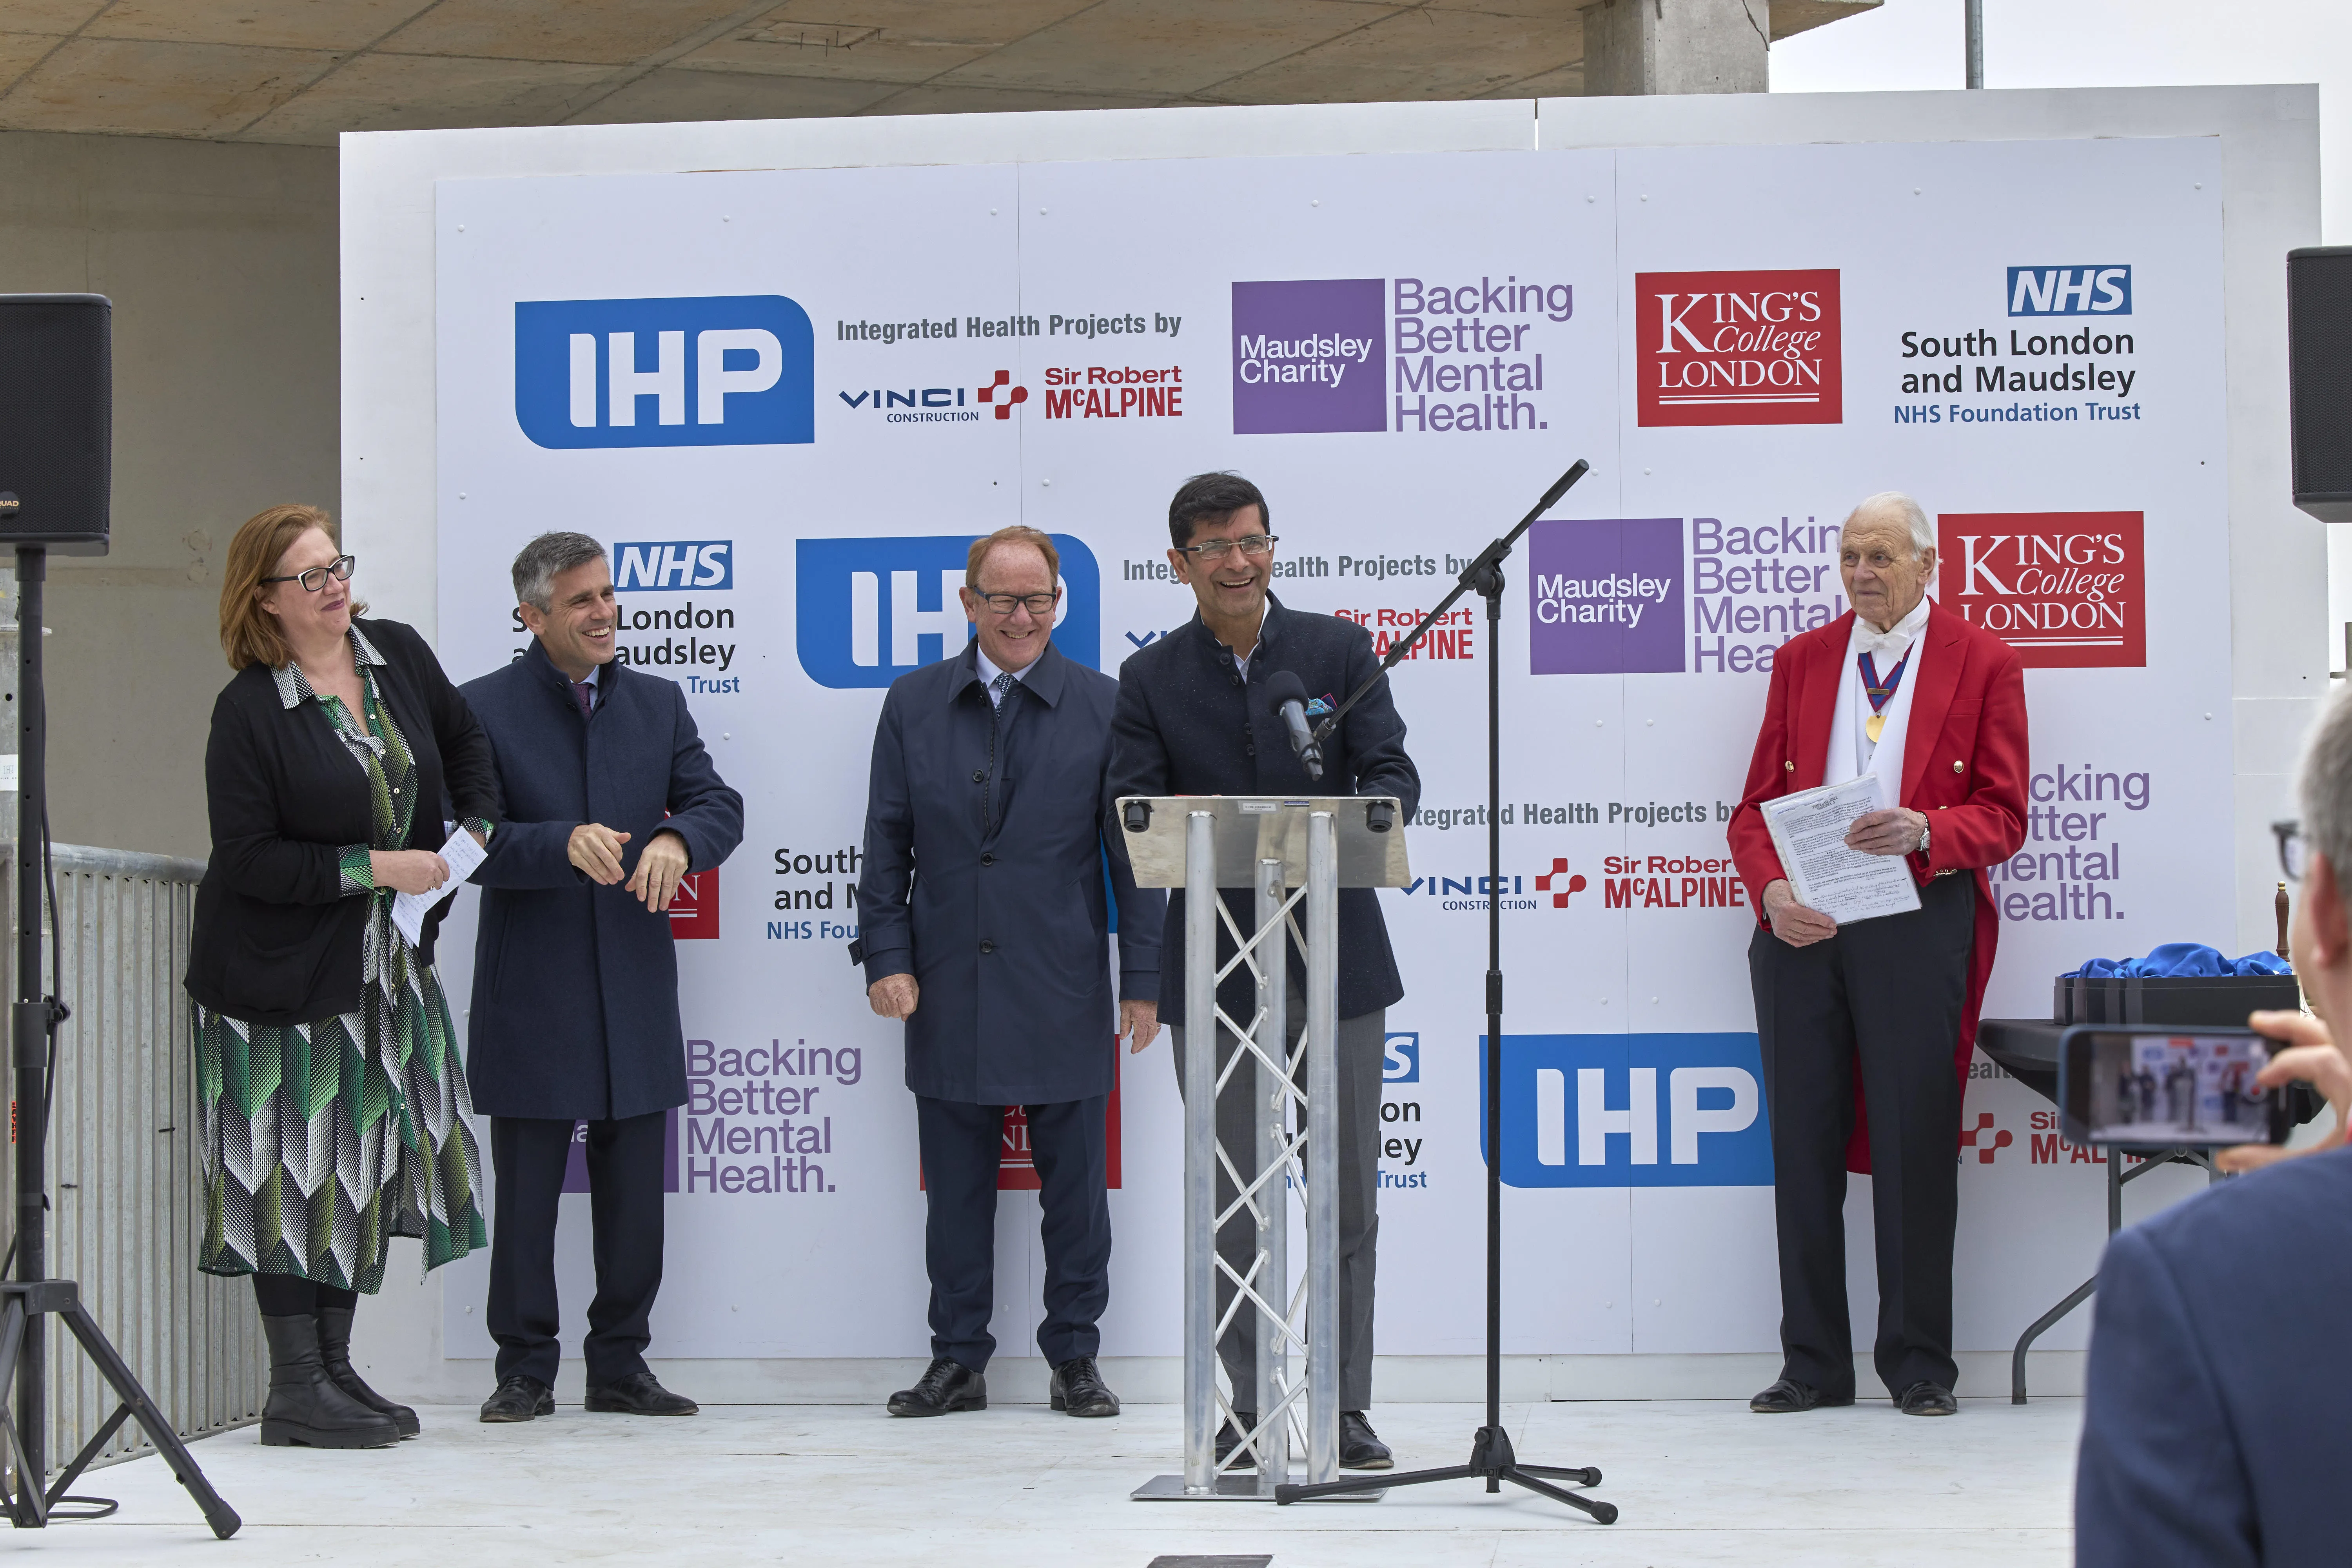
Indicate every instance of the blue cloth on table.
{"type": "Point", "coordinates": [2182, 961]}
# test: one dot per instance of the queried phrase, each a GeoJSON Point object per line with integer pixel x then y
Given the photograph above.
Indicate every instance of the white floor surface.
{"type": "Point", "coordinates": [1698, 1482]}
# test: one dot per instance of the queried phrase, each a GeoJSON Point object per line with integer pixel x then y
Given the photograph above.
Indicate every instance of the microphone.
{"type": "Point", "coordinates": [1288, 695]}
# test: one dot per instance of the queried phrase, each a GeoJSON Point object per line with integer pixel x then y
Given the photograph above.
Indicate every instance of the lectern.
{"type": "Point", "coordinates": [1296, 854]}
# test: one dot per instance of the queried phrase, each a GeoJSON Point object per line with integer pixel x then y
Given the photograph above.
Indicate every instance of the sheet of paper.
{"type": "Point", "coordinates": [409, 909]}
{"type": "Point", "coordinates": [1809, 831]}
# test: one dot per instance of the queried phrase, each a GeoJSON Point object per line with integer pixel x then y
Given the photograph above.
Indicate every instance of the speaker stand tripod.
{"type": "Point", "coordinates": [1492, 1459]}
{"type": "Point", "coordinates": [31, 1297]}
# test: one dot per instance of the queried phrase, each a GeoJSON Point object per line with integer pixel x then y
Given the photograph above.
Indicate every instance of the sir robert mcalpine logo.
{"type": "Point", "coordinates": [1605, 597]}
{"type": "Point", "coordinates": [1738, 348]}
{"type": "Point", "coordinates": [1308, 356]}
{"type": "Point", "coordinates": [725, 370]}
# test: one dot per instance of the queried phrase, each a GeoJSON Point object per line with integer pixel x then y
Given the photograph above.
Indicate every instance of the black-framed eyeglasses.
{"type": "Point", "coordinates": [1208, 551]}
{"type": "Point", "coordinates": [339, 569]}
{"type": "Point", "coordinates": [1039, 604]}
{"type": "Point", "coordinates": [2292, 850]}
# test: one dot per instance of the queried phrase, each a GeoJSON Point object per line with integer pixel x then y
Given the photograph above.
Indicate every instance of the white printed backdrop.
{"type": "Point", "coordinates": [1106, 346]}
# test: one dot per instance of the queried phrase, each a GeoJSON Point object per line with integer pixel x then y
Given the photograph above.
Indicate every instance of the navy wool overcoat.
{"type": "Point", "coordinates": [575, 986]}
{"type": "Point", "coordinates": [983, 878]}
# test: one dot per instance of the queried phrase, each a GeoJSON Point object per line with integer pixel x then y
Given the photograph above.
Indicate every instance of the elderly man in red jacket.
{"type": "Point", "coordinates": [1866, 1029]}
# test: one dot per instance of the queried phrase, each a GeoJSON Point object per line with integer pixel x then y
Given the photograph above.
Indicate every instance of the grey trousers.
{"type": "Point", "coordinates": [1361, 1046]}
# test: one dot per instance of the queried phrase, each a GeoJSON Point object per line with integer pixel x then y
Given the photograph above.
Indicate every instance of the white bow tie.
{"type": "Point", "coordinates": [1869, 639]}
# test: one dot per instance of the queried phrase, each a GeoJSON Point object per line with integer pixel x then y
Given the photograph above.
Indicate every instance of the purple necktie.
{"type": "Point", "coordinates": [586, 694]}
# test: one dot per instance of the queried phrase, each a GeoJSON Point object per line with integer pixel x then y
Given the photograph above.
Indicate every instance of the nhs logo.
{"type": "Point", "coordinates": [2069, 291]}
{"type": "Point", "coordinates": [1633, 1111]}
{"type": "Point", "coordinates": [737, 370]}
{"type": "Point", "coordinates": [662, 567]}
{"type": "Point", "coordinates": [1401, 1060]}
{"type": "Point", "coordinates": [869, 610]}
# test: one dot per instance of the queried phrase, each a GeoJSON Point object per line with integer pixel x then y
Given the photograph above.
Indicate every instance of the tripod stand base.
{"type": "Point", "coordinates": [1492, 1461]}
{"type": "Point", "coordinates": [28, 1507]}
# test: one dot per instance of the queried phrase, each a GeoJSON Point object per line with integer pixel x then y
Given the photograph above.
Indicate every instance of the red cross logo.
{"type": "Point", "coordinates": [1013, 394]}
{"type": "Point", "coordinates": [1558, 869]}
{"type": "Point", "coordinates": [1999, 1138]}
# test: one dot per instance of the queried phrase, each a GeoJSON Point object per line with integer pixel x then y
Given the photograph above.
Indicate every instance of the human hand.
{"type": "Point", "coordinates": [1140, 1022]}
{"type": "Point", "coordinates": [597, 849]}
{"type": "Point", "coordinates": [1893, 831]}
{"type": "Point", "coordinates": [407, 870]}
{"type": "Point", "coordinates": [2311, 1055]}
{"type": "Point", "coordinates": [893, 995]}
{"type": "Point", "coordinates": [1792, 922]}
{"type": "Point", "coordinates": [665, 860]}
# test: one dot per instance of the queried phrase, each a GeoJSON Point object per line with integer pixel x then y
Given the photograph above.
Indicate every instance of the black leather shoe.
{"type": "Point", "coordinates": [945, 1387]}
{"type": "Point", "coordinates": [639, 1394]}
{"type": "Point", "coordinates": [1229, 1437]}
{"type": "Point", "coordinates": [518, 1398]}
{"type": "Point", "coordinates": [1079, 1389]}
{"type": "Point", "coordinates": [1928, 1399]}
{"type": "Point", "coordinates": [1789, 1396]}
{"type": "Point", "coordinates": [335, 1355]}
{"type": "Point", "coordinates": [306, 1410]}
{"type": "Point", "coordinates": [1360, 1447]}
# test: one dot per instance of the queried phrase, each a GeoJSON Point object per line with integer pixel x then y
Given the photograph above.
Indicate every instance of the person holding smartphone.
{"type": "Point", "coordinates": [2215, 1423]}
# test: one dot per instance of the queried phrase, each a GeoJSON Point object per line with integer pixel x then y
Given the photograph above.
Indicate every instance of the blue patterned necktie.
{"type": "Point", "coordinates": [1000, 692]}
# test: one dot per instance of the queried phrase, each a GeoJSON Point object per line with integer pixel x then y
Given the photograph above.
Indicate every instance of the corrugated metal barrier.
{"type": "Point", "coordinates": [126, 1194]}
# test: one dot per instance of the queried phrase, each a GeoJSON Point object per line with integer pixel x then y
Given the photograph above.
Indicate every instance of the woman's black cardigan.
{"type": "Point", "coordinates": [276, 941]}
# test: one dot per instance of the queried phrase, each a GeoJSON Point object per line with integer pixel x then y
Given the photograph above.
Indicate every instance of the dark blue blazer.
{"type": "Point", "coordinates": [1186, 725]}
{"type": "Point", "coordinates": [2220, 1416]}
{"type": "Point", "coordinates": [575, 986]}
{"type": "Point", "coordinates": [983, 879]}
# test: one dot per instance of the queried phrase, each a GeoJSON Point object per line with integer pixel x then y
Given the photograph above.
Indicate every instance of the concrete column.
{"type": "Point", "coordinates": [1639, 47]}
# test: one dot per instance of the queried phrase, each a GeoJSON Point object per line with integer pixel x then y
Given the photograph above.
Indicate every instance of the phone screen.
{"type": "Point", "coordinates": [2146, 1089]}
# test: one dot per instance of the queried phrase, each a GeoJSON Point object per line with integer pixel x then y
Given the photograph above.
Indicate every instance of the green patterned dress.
{"type": "Point", "coordinates": [322, 1141]}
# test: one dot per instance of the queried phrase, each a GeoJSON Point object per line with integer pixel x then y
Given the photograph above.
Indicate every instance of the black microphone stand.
{"type": "Point", "coordinates": [1491, 1457]}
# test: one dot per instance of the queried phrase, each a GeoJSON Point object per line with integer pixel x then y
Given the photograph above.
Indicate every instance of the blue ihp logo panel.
{"type": "Point", "coordinates": [1631, 1111]}
{"type": "Point", "coordinates": [735, 369]}
{"type": "Point", "coordinates": [869, 610]}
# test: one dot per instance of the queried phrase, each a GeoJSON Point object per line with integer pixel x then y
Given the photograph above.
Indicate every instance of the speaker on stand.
{"type": "Point", "coordinates": [56, 449]}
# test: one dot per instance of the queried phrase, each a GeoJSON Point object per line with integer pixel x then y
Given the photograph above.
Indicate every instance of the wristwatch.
{"type": "Point", "coordinates": [1925, 829]}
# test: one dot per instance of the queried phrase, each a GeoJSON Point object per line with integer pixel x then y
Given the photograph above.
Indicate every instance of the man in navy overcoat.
{"type": "Point", "coordinates": [983, 924]}
{"type": "Point", "coordinates": [612, 799]}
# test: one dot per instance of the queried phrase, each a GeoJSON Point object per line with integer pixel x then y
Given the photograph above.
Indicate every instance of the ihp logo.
{"type": "Point", "coordinates": [2069, 291]}
{"type": "Point", "coordinates": [668, 567]}
{"type": "Point", "coordinates": [1401, 1060]}
{"type": "Point", "coordinates": [1633, 1111]}
{"type": "Point", "coordinates": [872, 609]}
{"type": "Point", "coordinates": [736, 370]}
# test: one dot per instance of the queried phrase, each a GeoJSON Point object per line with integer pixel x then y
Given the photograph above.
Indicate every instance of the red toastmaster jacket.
{"type": "Point", "coordinates": [1964, 764]}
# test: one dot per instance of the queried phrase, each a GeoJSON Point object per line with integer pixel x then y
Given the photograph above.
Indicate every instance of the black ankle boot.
{"type": "Point", "coordinates": [335, 1355]}
{"type": "Point", "coordinates": [306, 1409]}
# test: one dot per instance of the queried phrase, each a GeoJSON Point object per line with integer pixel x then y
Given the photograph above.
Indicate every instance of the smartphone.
{"type": "Point", "coordinates": [2151, 1085]}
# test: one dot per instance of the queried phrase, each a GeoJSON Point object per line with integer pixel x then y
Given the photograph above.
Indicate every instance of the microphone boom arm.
{"type": "Point", "coordinates": [1474, 576]}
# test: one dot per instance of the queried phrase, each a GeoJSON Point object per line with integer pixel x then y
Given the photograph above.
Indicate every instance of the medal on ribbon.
{"type": "Point", "coordinates": [1882, 694]}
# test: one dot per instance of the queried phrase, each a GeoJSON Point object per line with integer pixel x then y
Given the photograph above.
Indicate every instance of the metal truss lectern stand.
{"type": "Point", "coordinates": [1292, 852]}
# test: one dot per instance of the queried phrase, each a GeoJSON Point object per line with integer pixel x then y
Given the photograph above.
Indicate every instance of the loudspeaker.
{"type": "Point", "coordinates": [56, 420]}
{"type": "Point", "coordinates": [2319, 372]}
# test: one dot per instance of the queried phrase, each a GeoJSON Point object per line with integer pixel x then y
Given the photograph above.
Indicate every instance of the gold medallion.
{"type": "Point", "coordinates": [1874, 727]}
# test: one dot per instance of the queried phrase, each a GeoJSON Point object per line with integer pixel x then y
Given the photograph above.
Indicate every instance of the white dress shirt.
{"type": "Point", "coordinates": [1852, 753]}
{"type": "Point", "coordinates": [989, 672]}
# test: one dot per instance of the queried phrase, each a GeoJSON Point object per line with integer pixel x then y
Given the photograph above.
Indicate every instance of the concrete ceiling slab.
{"type": "Point", "coordinates": [302, 70]}
{"type": "Point", "coordinates": [407, 92]}
{"type": "Point", "coordinates": [173, 89]}
{"type": "Point", "coordinates": [340, 25]}
{"type": "Point", "coordinates": [1422, 53]}
{"type": "Point", "coordinates": [589, 32]}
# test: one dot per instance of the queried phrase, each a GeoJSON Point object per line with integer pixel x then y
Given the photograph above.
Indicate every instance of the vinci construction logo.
{"type": "Point", "coordinates": [1738, 348]}
{"type": "Point", "coordinates": [2062, 588]}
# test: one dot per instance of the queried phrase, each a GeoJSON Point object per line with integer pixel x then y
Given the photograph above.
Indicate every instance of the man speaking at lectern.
{"type": "Point", "coordinates": [1194, 717]}
{"type": "Point", "coordinates": [1935, 706]}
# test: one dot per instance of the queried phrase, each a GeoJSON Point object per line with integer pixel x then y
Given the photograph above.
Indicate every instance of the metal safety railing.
{"type": "Point", "coordinates": [126, 1192]}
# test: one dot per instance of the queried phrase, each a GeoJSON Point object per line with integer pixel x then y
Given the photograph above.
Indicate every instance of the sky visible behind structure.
{"type": "Point", "coordinates": [1914, 43]}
